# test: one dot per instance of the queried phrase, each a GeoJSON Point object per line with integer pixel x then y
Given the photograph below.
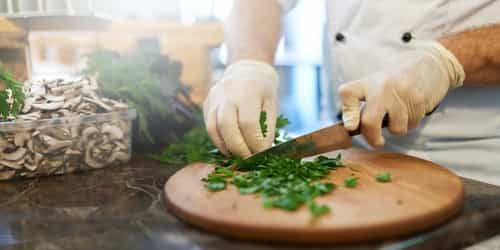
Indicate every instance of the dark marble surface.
{"type": "Point", "coordinates": [122, 208]}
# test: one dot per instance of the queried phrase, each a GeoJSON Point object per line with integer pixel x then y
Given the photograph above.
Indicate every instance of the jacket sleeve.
{"type": "Point", "coordinates": [286, 5]}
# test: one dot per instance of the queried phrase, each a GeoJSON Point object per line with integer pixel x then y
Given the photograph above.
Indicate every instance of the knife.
{"type": "Point", "coordinates": [327, 139]}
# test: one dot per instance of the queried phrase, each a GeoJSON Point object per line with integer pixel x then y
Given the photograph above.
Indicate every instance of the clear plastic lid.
{"type": "Point", "coordinates": [13, 126]}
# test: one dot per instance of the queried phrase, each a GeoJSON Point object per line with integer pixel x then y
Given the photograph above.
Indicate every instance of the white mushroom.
{"type": "Point", "coordinates": [55, 98]}
{"type": "Point", "coordinates": [114, 132]}
{"type": "Point", "coordinates": [14, 156]}
{"type": "Point", "coordinates": [30, 166]}
{"type": "Point", "coordinates": [3, 144]}
{"type": "Point", "coordinates": [89, 157]}
{"type": "Point", "coordinates": [31, 116]}
{"type": "Point", "coordinates": [38, 158]}
{"type": "Point", "coordinates": [12, 164]}
{"type": "Point", "coordinates": [119, 156]}
{"type": "Point", "coordinates": [30, 145]}
{"type": "Point", "coordinates": [20, 138]}
{"type": "Point", "coordinates": [98, 103]}
{"type": "Point", "coordinates": [48, 106]}
{"type": "Point", "coordinates": [54, 144]}
{"type": "Point", "coordinates": [89, 131]}
{"type": "Point", "coordinates": [28, 103]}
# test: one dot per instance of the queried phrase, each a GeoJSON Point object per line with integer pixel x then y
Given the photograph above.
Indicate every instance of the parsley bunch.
{"type": "Point", "coordinates": [150, 83]}
{"type": "Point", "coordinates": [196, 146]}
{"type": "Point", "coordinates": [12, 97]}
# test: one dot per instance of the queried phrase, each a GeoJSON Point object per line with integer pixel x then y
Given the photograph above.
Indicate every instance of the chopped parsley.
{"type": "Point", "coordinates": [351, 181]}
{"type": "Point", "coordinates": [383, 177]}
{"type": "Point", "coordinates": [282, 182]}
{"type": "Point", "coordinates": [263, 123]}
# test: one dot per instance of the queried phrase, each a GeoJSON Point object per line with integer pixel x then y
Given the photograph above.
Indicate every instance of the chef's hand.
{"type": "Point", "coordinates": [406, 92]}
{"type": "Point", "coordinates": [233, 106]}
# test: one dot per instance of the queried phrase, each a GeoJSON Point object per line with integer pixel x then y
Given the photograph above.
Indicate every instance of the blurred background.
{"type": "Point", "coordinates": [53, 38]}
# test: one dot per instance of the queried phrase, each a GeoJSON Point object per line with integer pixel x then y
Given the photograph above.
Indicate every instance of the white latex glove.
{"type": "Point", "coordinates": [233, 106]}
{"type": "Point", "coordinates": [406, 92]}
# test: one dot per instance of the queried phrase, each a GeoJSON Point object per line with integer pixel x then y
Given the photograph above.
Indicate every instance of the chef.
{"type": "Point", "coordinates": [400, 59]}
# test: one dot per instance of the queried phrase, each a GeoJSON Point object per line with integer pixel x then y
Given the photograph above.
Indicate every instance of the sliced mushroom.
{"type": "Point", "coordinates": [28, 103]}
{"type": "Point", "coordinates": [30, 166]}
{"type": "Point", "coordinates": [55, 98]}
{"type": "Point", "coordinates": [119, 156]}
{"type": "Point", "coordinates": [89, 159]}
{"type": "Point", "coordinates": [12, 164]}
{"type": "Point", "coordinates": [54, 144]}
{"type": "Point", "coordinates": [71, 103]}
{"type": "Point", "coordinates": [89, 131]}
{"type": "Point", "coordinates": [98, 103]}
{"type": "Point", "coordinates": [20, 138]}
{"type": "Point", "coordinates": [48, 106]}
{"type": "Point", "coordinates": [115, 133]}
{"type": "Point", "coordinates": [30, 116]}
{"type": "Point", "coordinates": [14, 156]}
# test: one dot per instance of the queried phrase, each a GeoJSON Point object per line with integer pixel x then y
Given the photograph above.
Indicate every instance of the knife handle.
{"type": "Point", "coordinates": [385, 123]}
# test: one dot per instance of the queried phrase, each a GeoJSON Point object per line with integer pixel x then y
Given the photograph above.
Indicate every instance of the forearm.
{"type": "Point", "coordinates": [478, 50]}
{"type": "Point", "coordinates": [253, 30]}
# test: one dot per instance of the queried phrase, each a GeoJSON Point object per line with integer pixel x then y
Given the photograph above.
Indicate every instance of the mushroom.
{"type": "Point", "coordinates": [20, 138]}
{"type": "Point", "coordinates": [55, 98]}
{"type": "Point", "coordinates": [54, 144]}
{"type": "Point", "coordinates": [89, 131]}
{"type": "Point", "coordinates": [73, 102]}
{"type": "Point", "coordinates": [119, 156]}
{"type": "Point", "coordinates": [48, 106]}
{"type": "Point", "coordinates": [89, 159]}
{"type": "Point", "coordinates": [114, 132]}
{"type": "Point", "coordinates": [14, 156]}
{"type": "Point", "coordinates": [94, 99]}
{"type": "Point", "coordinates": [12, 164]}
{"type": "Point", "coordinates": [28, 103]}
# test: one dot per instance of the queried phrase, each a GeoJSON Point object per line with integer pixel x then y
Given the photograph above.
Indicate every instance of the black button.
{"type": "Point", "coordinates": [407, 36]}
{"type": "Point", "coordinates": [340, 37]}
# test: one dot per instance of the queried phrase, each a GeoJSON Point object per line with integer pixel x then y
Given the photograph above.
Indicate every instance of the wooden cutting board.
{"type": "Point", "coordinates": [421, 195]}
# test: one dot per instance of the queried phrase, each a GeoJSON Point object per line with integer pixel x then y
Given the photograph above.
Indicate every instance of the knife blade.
{"type": "Point", "coordinates": [324, 140]}
{"type": "Point", "coordinates": [327, 139]}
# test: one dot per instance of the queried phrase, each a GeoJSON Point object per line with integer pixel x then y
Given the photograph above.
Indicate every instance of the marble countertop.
{"type": "Point", "coordinates": [122, 208]}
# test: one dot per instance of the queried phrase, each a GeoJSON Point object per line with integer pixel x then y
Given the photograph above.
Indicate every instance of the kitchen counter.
{"type": "Point", "coordinates": [122, 208]}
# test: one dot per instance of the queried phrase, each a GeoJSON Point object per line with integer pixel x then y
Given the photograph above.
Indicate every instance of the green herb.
{"type": "Point", "coordinates": [282, 182]}
{"type": "Point", "coordinates": [150, 83]}
{"type": "Point", "coordinates": [196, 146]}
{"type": "Point", "coordinates": [12, 97]}
{"type": "Point", "coordinates": [281, 136]}
{"type": "Point", "coordinates": [263, 124]}
{"type": "Point", "coordinates": [316, 210]}
{"type": "Point", "coordinates": [351, 181]}
{"type": "Point", "coordinates": [383, 177]}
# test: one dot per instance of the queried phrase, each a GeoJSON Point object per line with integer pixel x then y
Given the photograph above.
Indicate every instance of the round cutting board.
{"type": "Point", "coordinates": [421, 195]}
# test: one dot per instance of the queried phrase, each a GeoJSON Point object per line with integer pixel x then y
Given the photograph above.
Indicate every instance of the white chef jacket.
{"type": "Point", "coordinates": [364, 36]}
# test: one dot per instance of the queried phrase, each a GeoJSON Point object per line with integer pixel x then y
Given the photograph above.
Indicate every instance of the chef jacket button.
{"type": "Point", "coordinates": [407, 36]}
{"type": "Point", "coordinates": [340, 37]}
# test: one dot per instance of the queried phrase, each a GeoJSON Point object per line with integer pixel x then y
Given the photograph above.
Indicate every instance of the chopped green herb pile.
{"type": "Point", "coordinates": [351, 181]}
{"type": "Point", "coordinates": [263, 123]}
{"type": "Point", "coordinates": [383, 177]}
{"type": "Point", "coordinates": [282, 182]}
{"type": "Point", "coordinates": [12, 97]}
